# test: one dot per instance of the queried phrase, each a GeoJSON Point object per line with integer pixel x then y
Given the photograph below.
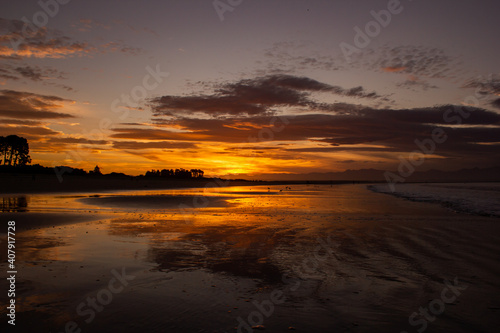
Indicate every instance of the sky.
{"type": "Point", "coordinates": [246, 88]}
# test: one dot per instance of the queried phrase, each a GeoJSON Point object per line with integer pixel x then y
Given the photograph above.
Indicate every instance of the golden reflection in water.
{"type": "Point", "coordinates": [255, 216]}
{"type": "Point", "coordinates": [239, 239]}
{"type": "Point", "coordinates": [257, 226]}
{"type": "Point", "coordinates": [242, 237]}
{"type": "Point", "coordinates": [211, 262]}
{"type": "Point", "coordinates": [37, 245]}
{"type": "Point", "coordinates": [251, 234]}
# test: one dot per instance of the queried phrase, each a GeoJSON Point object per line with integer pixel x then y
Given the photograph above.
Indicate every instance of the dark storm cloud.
{"type": "Point", "coordinates": [286, 81]}
{"type": "Point", "coordinates": [496, 103]}
{"type": "Point", "coordinates": [26, 105]}
{"type": "Point", "coordinates": [363, 126]}
{"type": "Point", "coordinates": [28, 131]}
{"type": "Point", "coordinates": [298, 84]}
{"type": "Point", "coordinates": [253, 96]}
{"type": "Point", "coordinates": [471, 132]}
{"type": "Point", "coordinates": [214, 105]}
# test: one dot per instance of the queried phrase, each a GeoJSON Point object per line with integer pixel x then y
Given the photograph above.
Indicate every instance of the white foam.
{"type": "Point", "coordinates": [473, 198]}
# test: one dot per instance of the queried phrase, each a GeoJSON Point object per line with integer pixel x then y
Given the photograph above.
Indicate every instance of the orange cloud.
{"type": "Point", "coordinates": [47, 43]}
{"type": "Point", "coordinates": [49, 50]}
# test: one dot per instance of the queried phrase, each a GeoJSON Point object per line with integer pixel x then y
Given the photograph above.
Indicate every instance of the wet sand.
{"type": "Point", "coordinates": [314, 258]}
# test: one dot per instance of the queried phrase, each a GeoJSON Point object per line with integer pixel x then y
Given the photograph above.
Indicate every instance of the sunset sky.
{"type": "Point", "coordinates": [251, 87]}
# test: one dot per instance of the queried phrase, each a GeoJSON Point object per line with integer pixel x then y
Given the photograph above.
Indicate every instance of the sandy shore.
{"type": "Point", "coordinates": [340, 259]}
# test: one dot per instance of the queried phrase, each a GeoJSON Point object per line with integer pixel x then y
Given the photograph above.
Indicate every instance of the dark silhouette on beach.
{"type": "Point", "coordinates": [15, 150]}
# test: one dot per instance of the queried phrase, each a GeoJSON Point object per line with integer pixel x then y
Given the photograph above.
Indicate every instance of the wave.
{"type": "Point", "coordinates": [472, 198]}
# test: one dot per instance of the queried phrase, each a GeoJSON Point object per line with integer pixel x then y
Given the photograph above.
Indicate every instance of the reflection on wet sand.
{"type": "Point", "coordinates": [156, 201]}
{"type": "Point", "coordinates": [383, 258]}
{"type": "Point", "coordinates": [37, 248]}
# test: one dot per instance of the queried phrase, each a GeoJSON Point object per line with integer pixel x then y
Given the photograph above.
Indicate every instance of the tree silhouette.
{"type": "Point", "coordinates": [177, 173]}
{"type": "Point", "coordinates": [15, 150]}
{"type": "Point", "coordinates": [97, 170]}
{"type": "Point", "coordinates": [197, 173]}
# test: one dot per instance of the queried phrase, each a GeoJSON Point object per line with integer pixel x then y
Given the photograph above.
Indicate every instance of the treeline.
{"type": "Point", "coordinates": [70, 171]}
{"type": "Point", "coordinates": [39, 169]}
{"type": "Point", "coordinates": [177, 173]}
{"type": "Point", "coordinates": [14, 158]}
{"type": "Point", "coordinates": [14, 151]}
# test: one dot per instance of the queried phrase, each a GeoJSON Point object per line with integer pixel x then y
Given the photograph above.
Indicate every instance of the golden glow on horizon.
{"type": "Point", "coordinates": [245, 160]}
{"type": "Point", "coordinates": [214, 159]}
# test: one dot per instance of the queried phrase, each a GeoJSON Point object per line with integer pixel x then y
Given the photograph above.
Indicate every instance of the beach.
{"type": "Point", "coordinates": [305, 258]}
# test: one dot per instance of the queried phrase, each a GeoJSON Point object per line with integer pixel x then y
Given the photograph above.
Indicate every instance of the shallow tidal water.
{"type": "Point", "coordinates": [309, 258]}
